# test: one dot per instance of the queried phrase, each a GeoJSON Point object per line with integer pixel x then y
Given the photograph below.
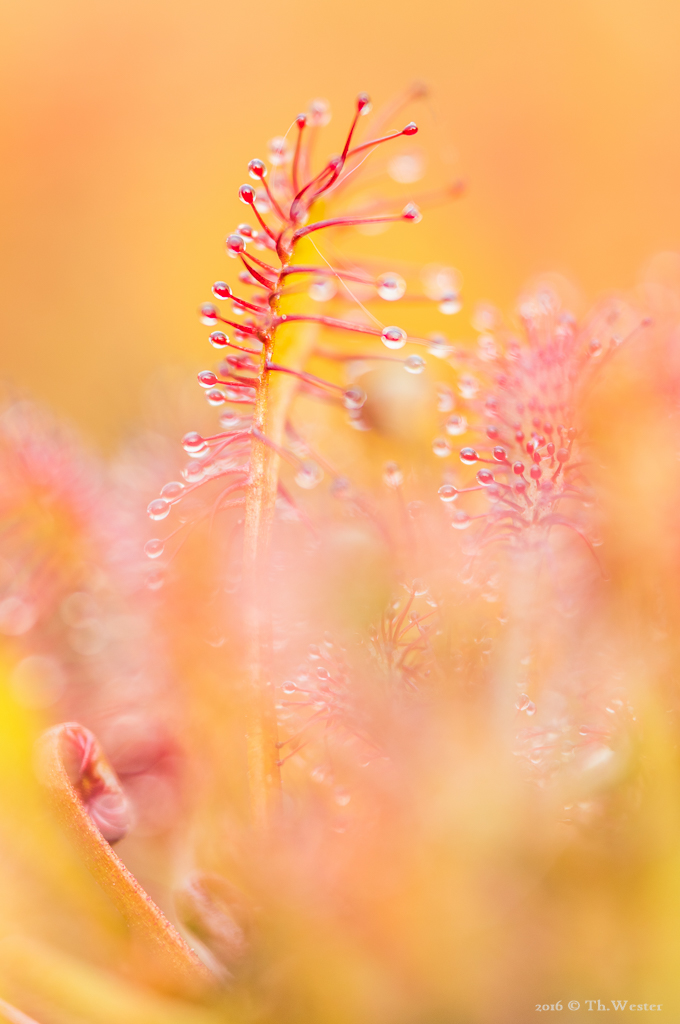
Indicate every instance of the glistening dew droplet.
{"type": "Point", "coordinates": [215, 396]}
{"type": "Point", "coordinates": [193, 472]}
{"type": "Point", "coordinates": [153, 548]}
{"type": "Point", "coordinates": [323, 290]}
{"type": "Point", "coordinates": [319, 113]}
{"type": "Point", "coordinates": [235, 245]}
{"type": "Point", "coordinates": [441, 447]}
{"type": "Point", "coordinates": [414, 364]}
{"type": "Point", "coordinates": [461, 520]}
{"type": "Point", "coordinates": [257, 170]}
{"type": "Point", "coordinates": [207, 379]}
{"type": "Point", "coordinates": [172, 490]}
{"type": "Point", "coordinates": [208, 314]}
{"type": "Point", "coordinates": [278, 151]}
{"type": "Point", "coordinates": [447, 492]}
{"type": "Point", "coordinates": [364, 105]}
{"type": "Point", "coordinates": [155, 580]}
{"type": "Point", "coordinates": [391, 287]}
{"type": "Point", "coordinates": [353, 397]}
{"type": "Point", "coordinates": [456, 425]}
{"type": "Point", "coordinates": [158, 508]}
{"type": "Point", "coordinates": [468, 386]}
{"type": "Point", "coordinates": [193, 442]}
{"type": "Point", "coordinates": [440, 347]}
{"type": "Point", "coordinates": [393, 337]}
{"type": "Point", "coordinates": [221, 290]}
{"type": "Point", "coordinates": [469, 456]}
{"type": "Point", "coordinates": [309, 475]}
{"type": "Point", "coordinates": [218, 339]}
{"type": "Point", "coordinates": [392, 475]}
{"type": "Point", "coordinates": [246, 194]}
{"type": "Point", "coordinates": [229, 419]}
{"type": "Point", "coordinates": [412, 213]}
{"type": "Point", "coordinates": [445, 400]}
{"type": "Point", "coordinates": [450, 304]}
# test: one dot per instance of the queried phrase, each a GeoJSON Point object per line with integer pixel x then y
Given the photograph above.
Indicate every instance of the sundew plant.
{"type": "Point", "coordinates": [377, 720]}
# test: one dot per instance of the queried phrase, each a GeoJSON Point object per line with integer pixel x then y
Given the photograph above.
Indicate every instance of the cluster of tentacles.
{"type": "Point", "coordinates": [533, 466]}
{"type": "Point", "coordinates": [289, 270]}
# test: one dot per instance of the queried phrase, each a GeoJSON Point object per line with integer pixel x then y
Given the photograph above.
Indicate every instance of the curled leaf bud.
{"type": "Point", "coordinates": [91, 803]}
{"type": "Point", "coordinates": [92, 778]}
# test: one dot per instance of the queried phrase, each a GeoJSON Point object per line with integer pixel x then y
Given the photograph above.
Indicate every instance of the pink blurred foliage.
{"type": "Point", "coordinates": [460, 661]}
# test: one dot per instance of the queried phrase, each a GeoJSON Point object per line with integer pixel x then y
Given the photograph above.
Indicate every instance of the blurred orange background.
{"type": "Point", "coordinates": [128, 126]}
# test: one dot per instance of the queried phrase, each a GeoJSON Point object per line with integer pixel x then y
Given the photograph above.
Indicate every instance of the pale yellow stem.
{"type": "Point", "coordinates": [290, 345]}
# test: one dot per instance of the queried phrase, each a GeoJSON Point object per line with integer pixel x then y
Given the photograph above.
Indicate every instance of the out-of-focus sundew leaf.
{"type": "Point", "coordinates": [29, 880]}
{"type": "Point", "coordinates": [386, 711]}
{"type": "Point", "coordinates": [62, 988]}
{"type": "Point", "coordinates": [156, 943]}
{"type": "Point", "coordinates": [10, 1015]}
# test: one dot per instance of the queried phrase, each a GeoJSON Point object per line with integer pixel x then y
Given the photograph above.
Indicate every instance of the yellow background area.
{"type": "Point", "coordinates": [128, 125]}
